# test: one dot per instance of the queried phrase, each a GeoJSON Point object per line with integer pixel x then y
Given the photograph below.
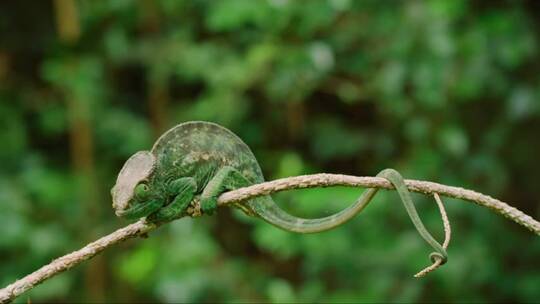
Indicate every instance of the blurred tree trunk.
{"type": "Point", "coordinates": [295, 119]}
{"type": "Point", "coordinates": [157, 75]}
{"type": "Point", "coordinates": [81, 147]}
{"type": "Point", "coordinates": [158, 99]}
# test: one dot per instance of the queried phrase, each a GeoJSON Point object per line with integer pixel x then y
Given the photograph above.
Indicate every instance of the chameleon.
{"type": "Point", "coordinates": [201, 160]}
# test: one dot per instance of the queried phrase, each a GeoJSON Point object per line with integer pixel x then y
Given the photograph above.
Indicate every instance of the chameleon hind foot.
{"type": "Point", "coordinates": [227, 178]}
{"type": "Point", "coordinates": [209, 205]}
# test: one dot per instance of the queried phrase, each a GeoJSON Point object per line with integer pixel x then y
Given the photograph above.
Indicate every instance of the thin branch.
{"type": "Point", "coordinates": [447, 235]}
{"type": "Point", "coordinates": [141, 228]}
{"type": "Point", "coordinates": [424, 187]}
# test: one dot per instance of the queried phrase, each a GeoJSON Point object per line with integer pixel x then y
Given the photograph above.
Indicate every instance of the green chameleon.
{"type": "Point", "coordinates": [203, 160]}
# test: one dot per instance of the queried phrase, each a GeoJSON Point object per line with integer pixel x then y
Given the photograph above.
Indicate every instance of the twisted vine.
{"type": "Point", "coordinates": [437, 261]}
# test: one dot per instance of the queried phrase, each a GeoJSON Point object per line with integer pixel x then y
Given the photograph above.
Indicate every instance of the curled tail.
{"type": "Point", "coordinates": [272, 213]}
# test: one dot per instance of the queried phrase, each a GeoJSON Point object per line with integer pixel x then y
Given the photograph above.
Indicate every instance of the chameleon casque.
{"type": "Point", "coordinates": [203, 159]}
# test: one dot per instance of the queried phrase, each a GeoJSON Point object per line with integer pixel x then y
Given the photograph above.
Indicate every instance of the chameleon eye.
{"type": "Point", "coordinates": [142, 190]}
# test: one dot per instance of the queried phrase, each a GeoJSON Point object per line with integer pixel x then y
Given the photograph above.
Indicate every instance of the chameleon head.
{"type": "Point", "coordinates": [132, 195]}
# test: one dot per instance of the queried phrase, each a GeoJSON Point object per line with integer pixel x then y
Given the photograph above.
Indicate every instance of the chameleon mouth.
{"type": "Point", "coordinates": [120, 213]}
{"type": "Point", "coordinates": [139, 210]}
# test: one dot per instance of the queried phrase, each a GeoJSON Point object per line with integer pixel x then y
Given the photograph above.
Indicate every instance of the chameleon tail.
{"type": "Point", "coordinates": [272, 213]}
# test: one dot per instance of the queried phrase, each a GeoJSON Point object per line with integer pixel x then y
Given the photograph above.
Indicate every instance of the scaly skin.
{"type": "Point", "coordinates": [202, 158]}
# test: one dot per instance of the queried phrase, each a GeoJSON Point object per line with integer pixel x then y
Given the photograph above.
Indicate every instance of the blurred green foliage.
{"type": "Point", "coordinates": [441, 90]}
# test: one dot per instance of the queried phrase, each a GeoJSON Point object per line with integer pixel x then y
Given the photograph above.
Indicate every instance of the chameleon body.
{"type": "Point", "coordinates": [202, 159]}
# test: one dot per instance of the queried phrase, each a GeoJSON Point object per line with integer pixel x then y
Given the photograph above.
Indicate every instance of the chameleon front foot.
{"type": "Point", "coordinates": [184, 191]}
{"type": "Point", "coordinates": [194, 208]}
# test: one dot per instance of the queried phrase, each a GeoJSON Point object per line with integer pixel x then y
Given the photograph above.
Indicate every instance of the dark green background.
{"type": "Point", "coordinates": [446, 91]}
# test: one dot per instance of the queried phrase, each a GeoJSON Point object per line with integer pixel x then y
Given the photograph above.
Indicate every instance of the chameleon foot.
{"type": "Point", "coordinates": [227, 178]}
{"type": "Point", "coordinates": [184, 189]}
{"type": "Point", "coordinates": [209, 205]}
